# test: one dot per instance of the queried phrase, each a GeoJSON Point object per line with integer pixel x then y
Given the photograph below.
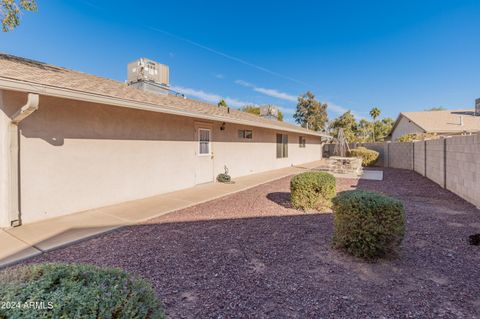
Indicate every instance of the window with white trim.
{"type": "Point", "coordinates": [204, 136]}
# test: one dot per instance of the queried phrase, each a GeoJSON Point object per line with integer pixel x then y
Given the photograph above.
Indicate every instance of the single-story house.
{"type": "Point", "coordinates": [71, 141]}
{"type": "Point", "coordinates": [442, 122]}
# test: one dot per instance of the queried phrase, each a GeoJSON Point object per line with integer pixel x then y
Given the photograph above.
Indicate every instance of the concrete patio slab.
{"type": "Point", "coordinates": [144, 209]}
{"type": "Point", "coordinates": [13, 250]}
{"type": "Point", "coordinates": [372, 175]}
{"type": "Point", "coordinates": [56, 232]}
{"type": "Point", "coordinates": [29, 239]}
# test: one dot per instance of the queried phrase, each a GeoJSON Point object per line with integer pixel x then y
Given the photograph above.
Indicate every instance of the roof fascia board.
{"type": "Point", "coordinates": [415, 123]}
{"type": "Point", "coordinates": [15, 85]}
{"type": "Point", "coordinates": [400, 116]}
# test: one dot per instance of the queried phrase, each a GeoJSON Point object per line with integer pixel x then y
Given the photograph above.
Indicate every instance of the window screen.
{"type": "Point", "coordinates": [245, 134]}
{"type": "Point", "coordinates": [282, 145]}
{"type": "Point", "coordinates": [301, 141]}
{"type": "Point", "coordinates": [204, 141]}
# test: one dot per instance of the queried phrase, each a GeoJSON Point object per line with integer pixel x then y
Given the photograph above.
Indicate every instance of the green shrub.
{"type": "Point", "coordinates": [367, 225]}
{"type": "Point", "coordinates": [369, 157]}
{"type": "Point", "coordinates": [312, 190]}
{"type": "Point", "coordinates": [75, 291]}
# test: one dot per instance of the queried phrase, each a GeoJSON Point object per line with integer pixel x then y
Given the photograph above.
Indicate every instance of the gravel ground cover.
{"type": "Point", "coordinates": [250, 255]}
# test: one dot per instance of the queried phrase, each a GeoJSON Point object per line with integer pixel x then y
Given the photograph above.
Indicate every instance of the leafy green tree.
{"type": "Point", "coordinates": [348, 123]}
{"type": "Point", "coordinates": [311, 113]}
{"type": "Point", "coordinates": [364, 130]}
{"type": "Point", "coordinates": [222, 103]}
{"type": "Point", "coordinates": [383, 128]}
{"type": "Point", "coordinates": [374, 113]}
{"type": "Point", "coordinates": [253, 109]}
{"type": "Point", "coordinates": [436, 108]}
{"type": "Point", "coordinates": [10, 11]}
{"type": "Point", "coordinates": [417, 137]}
{"type": "Point", "coordinates": [280, 116]}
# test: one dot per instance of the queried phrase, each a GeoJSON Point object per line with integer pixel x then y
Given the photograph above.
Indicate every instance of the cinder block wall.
{"type": "Point", "coordinates": [463, 167]}
{"type": "Point", "coordinates": [419, 157]}
{"type": "Point", "coordinates": [435, 161]}
{"type": "Point", "coordinates": [400, 155]}
{"type": "Point", "coordinates": [453, 163]}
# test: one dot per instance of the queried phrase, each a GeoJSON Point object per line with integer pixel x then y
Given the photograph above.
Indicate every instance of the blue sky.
{"type": "Point", "coordinates": [397, 55]}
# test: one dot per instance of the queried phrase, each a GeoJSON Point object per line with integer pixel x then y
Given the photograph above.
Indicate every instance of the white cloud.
{"type": "Point", "coordinates": [276, 94]}
{"type": "Point", "coordinates": [286, 110]}
{"type": "Point", "coordinates": [336, 108]}
{"type": "Point", "coordinates": [220, 76]}
{"type": "Point", "coordinates": [209, 97]}
{"type": "Point", "coordinates": [340, 110]}
{"type": "Point", "coordinates": [234, 102]}
{"type": "Point", "coordinates": [270, 92]}
{"type": "Point", "coordinates": [244, 83]}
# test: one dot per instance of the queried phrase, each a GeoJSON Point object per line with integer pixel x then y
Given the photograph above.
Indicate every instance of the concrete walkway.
{"type": "Point", "coordinates": [28, 240]}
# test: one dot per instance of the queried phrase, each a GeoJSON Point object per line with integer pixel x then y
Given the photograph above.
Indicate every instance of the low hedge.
{"type": "Point", "coordinates": [369, 157]}
{"type": "Point", "coordinates": [75, 291]}
{"type": "Point", "coordinates": [367, 225]}
{"type": "Point", "coordinates": [312, 190]}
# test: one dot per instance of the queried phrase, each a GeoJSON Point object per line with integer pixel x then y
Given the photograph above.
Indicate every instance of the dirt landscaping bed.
{"type": "Point", "coordinates": [250, 255]}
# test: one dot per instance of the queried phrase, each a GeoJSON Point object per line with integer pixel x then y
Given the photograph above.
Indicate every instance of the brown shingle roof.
{"type": "Point", "coordinates": [447, 121]}
{"type": "Point", "coordinates": [34, 72]}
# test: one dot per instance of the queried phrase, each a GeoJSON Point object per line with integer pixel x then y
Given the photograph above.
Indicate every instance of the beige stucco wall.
{"type": "Point", "coordinates": [76, 156]}
{"type": "Point", "coordinates": [4, 163]}
{"type": "Point", "coordinates": [405, 126]}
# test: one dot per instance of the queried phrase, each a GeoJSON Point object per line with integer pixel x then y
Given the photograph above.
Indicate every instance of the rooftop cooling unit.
{"type": "Point", "coordinates": [145, 70]}
{"type": "Point", "coordinates": [269, 111]}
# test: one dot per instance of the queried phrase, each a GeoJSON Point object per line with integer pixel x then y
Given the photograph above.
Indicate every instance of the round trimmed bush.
{"type": "Point", "coordinates": [367, 225]}
{"type": "Point", "coordinates": [369, 157]}
{"type": "Point", "coordinates": [312, 190]}
{"type": "Point", "coordinates": [54, 290]}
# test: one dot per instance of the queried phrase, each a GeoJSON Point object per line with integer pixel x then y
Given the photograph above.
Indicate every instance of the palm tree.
{"type": "Point", "coordinates": [374, 113]}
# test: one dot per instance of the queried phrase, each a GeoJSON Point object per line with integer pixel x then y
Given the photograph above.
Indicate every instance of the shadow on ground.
{"type": "Point", "coordinates": [280, 198]}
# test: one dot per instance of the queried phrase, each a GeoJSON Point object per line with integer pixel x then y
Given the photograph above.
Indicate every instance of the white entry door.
{"type": "Point", "coordinates": [204, 166]}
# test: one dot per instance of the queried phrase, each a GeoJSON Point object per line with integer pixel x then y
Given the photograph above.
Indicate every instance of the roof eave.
{"type": "Point", "coordinates": [22, 86]}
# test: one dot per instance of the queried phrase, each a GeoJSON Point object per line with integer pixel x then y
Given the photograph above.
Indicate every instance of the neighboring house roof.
{"type": "Point", "coordinates": [445, 121]}
{"type": "Point", "coordinates": [21, 74]}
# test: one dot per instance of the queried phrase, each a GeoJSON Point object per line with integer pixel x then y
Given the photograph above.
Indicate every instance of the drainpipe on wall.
{"type": "Point", "coordinates": [30, 107]}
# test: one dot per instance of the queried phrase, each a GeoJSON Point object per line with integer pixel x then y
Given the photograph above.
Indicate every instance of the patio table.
{"type": "Point", "coordinates": [339, 164]}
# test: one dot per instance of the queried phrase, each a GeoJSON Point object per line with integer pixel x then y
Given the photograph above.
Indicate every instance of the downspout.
{"type": "Point", "coordinates": [26, 110]}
